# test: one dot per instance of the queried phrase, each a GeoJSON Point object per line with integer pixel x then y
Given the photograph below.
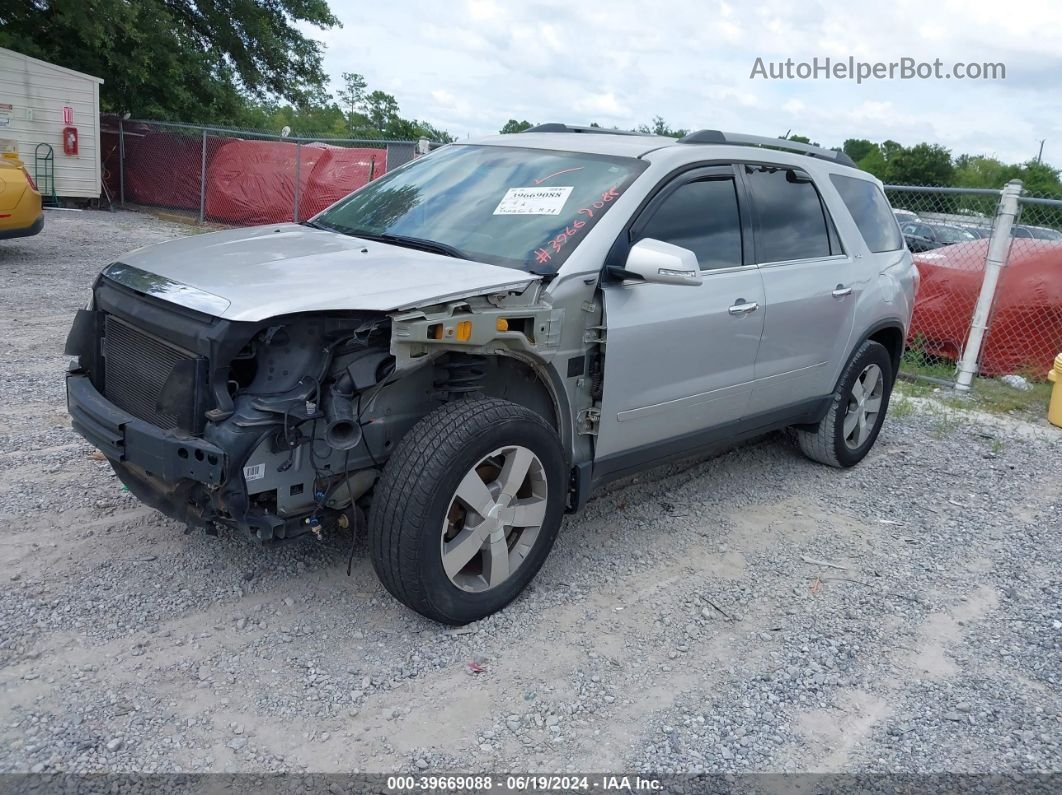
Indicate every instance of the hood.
{"type": "Point", "coordinates": [261, 272]}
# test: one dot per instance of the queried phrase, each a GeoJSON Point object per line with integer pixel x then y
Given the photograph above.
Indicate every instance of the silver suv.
{"type": "Point", "coordinates": [460, 352]}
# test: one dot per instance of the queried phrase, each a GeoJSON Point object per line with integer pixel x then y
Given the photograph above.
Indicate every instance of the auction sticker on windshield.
{"type": "Point", "coordinates": [533, 201]}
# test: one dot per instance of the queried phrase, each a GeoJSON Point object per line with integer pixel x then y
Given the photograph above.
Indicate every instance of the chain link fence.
{"type": "Point", "coordinates": [238, 177]}
{"type": "Point", "coordinates": [990, 299]}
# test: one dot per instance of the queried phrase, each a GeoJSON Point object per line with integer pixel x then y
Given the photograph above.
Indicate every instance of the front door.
{"type": "Point", "coordinates": [680, 359]}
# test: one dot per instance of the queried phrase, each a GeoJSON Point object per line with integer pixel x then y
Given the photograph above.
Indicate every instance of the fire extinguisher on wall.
{"type": "Point", "coordinates": [70, 140]}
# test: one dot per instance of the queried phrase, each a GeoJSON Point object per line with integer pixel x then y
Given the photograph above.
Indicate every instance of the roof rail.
{"type": "Point", "coordinates": [557, 127]}
{"type": "Point", "coordinates": [740, 139]}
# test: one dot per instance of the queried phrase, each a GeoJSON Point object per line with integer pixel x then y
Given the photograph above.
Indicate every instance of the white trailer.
{"type": "Point", "coordinates": [41, 103]}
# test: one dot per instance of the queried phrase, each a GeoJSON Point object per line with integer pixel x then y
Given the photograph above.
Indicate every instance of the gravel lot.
{"type": "Point", "coordinates": [750, 612]}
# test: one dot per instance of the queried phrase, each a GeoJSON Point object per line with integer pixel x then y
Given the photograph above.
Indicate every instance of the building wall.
{"type": "Point", "coordinates": [33, 94]}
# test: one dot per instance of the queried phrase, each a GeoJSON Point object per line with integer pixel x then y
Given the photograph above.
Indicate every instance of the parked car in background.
{"type": "Point", "coordinates": [1024, 231]}
{"type": "Point", "coordinates": [924, 236]}
{"type": "Point", "coordinates": [21, 211]}
{"type": "Point", "coordinates": [1025, 334]}
{"type": "Point", "coordinates": [1036, 232]}
{"type": "Point", "coordinates": [905, 216]}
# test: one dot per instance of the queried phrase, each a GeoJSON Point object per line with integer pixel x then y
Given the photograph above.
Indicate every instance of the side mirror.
{"type": "Point", "coordinates": [658, 262]}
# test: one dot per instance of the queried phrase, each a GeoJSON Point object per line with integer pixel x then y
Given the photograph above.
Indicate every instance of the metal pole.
{"type": "Point", "coordinates": [998, 250]}
{"type": "Point", "coordinates": [298, 173]}
{"type": "Point", "coordinates": [121, 163]}
{"type": "Point", "coordinates": [202, 178]}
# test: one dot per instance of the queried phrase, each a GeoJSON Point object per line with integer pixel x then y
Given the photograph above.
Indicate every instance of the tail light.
{"type": "Point", "coordinates": [29, 179]}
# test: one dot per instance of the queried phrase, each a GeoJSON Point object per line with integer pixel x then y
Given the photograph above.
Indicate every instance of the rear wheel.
{"type": "Point", "coordinates": [467, 509]}
{"type": "Point", "coordinates": [849, 429]}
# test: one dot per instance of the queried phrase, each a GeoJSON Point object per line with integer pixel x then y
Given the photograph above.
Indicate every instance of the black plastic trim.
{"type": "Point", "coordinates": [784, 144]}
{"type": "Point", "coordinates": [581, 487]}
{"type": "Point", "coordinates": [632, 461]}
{"type": "Point", "coordinates": [557, 127]}
{"type": "Point", "coordinates": [126, 439]}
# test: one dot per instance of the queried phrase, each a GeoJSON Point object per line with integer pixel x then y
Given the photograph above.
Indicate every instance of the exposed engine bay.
{"type": "Point", "coordinates": [281, 428]}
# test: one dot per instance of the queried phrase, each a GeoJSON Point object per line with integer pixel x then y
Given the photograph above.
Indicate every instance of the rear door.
{"type": "Point", "coordinates": [681, 359]}
{"type": "Point", "coordinates": [811, 285]}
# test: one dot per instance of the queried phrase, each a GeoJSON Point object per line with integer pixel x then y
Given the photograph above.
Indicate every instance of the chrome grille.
{"type": "Point", "coordinates": [137, 366]}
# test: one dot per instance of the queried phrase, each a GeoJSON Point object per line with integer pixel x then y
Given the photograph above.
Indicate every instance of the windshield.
{"type": "Point", "coordinates": [521, 208]}
{"type": "Point", "coordinates": [952, 234]}
{"type": "Point", "coordinates": [1041, 233]}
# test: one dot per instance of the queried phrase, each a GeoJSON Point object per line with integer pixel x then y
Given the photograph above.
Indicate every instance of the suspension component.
{"type": "Point", "coordinates": [458, 374]}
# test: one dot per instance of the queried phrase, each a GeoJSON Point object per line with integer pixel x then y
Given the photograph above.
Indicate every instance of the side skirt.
{"type": "Point", "coordinates": [619, 465]}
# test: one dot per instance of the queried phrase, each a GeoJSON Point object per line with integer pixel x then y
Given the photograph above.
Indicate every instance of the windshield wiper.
{"type": "Point", "coordinates": [423, 244]}
{"type": "Point", "coordinates": [318, 225]}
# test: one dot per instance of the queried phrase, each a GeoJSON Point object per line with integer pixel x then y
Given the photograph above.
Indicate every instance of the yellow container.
{"type": "Point", "coordinates": [1054, 408]}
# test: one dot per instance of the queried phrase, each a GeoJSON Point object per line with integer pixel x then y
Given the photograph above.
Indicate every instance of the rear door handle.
{"type": "Point", "coordinates": [841, 291]}
{"type": "Point", "coordinates": [743, 308]}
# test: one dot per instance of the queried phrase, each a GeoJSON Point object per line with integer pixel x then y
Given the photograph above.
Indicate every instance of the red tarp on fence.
{"type": "Point", "coordinates": [163, 169]}
{"type": "Point", "coordinates": [253, 182]}
{"type": "Point", "coordinates": [1025, 327]}
{"type": "Point", "coordinates": [248, 181]}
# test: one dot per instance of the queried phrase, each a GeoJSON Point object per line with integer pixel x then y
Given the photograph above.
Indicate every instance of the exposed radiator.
{"type": "Point", "coordinates": [137, 366]}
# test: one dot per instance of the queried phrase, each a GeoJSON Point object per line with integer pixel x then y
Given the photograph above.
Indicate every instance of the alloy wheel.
{"type": "Point", "coordinates": [494, 518]}
{"type": "Point", "coordinates": [864, 405]}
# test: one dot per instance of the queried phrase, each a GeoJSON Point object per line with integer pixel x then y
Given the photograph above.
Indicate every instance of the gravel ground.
{"type": "Point", "coordinates": [750, 612]}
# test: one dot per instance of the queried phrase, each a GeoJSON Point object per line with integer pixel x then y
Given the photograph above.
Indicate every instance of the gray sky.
{"type": "Point", "coordinates": [469, 65]}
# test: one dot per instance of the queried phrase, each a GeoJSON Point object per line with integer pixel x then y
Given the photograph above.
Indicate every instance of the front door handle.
{"type": "Point", "coordinates": [840, 291]}
{"type": "Point", "coordinates": [743, 308]}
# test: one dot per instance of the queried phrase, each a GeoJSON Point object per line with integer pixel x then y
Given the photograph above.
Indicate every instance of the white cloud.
{"type": "Point", "coordinates": [469, 67]}
{"type": "Point", "coordinates": [604, 104]}
{"type": "Point", "coordinates": [482, 9]}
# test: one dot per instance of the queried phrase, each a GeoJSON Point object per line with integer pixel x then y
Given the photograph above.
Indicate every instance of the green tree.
{"type": "Point", "coordinates": [433, 133]}
{"type": "Point", "coordinates": [982, 172]}
{"type": "Point", "coordinates": [874, 162]}
{"type": "Point", "coordinates": [381, 108]}
{"type": "Point", "coordinates": [858, 148]}
{"type": "Point", "coordinates": [800, 139]}
{"type": "Point", "coordinates": [1040, 178]}
{"type": "Point", "coordinates": [352, 95]}
{"type": "Point", "coordinates": [514, 126]}
{"type": "Point", "coordinates": [889, 149]}
{"type": "Point", "coordinates": [660, 127]}
{"type": "Point", "coordinates": [921, 164]}
{"type": "Point", "coordinates": [185, 59]}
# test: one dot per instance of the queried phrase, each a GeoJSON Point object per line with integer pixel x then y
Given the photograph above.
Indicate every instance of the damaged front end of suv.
{"type": "Point", "coordinates": [277, 427]}
{"type": "Point", "coordinates": [411, 358]}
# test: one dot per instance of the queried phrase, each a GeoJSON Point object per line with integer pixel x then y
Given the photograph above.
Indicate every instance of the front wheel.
{"type": "Point", "coordinates": [467, 509]}
{"type": "Point", "coordinates": [857, 410]}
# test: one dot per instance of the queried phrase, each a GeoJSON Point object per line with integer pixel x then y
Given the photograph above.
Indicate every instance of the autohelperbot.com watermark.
{"type": "Point", "coordinates": [860, 71]}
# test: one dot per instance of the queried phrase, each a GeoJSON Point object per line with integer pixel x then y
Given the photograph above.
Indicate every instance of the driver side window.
{"type": "Point", "coordinates": [702, 216]}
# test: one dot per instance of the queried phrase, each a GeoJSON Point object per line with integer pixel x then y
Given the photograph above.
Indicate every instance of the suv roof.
{"type": "Point", "coordinates": [598, 140]}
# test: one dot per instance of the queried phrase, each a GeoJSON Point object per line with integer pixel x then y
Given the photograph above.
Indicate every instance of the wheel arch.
{"type": "Point", "coordinates": [890, 335]}
{"type": "Point", "coordinates": [534, 384]}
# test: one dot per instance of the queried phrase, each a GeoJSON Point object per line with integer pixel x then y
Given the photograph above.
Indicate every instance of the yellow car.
{"type": "Point", "coordinates": [21, 212]}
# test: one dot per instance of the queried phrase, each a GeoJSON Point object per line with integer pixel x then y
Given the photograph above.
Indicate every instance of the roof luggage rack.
{"type": "Point", "coordinates": [740, 139]}
{"type": "Point", "coordinates": [557, 127]}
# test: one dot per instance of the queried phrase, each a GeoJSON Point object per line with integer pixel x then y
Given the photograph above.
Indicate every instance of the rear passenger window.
{"type": "Point", "coordinates": [788, 217]}
{"type": "Point", "coordinates": [871, 212]}
{"type": "Point", "coordinates": [701, 216]}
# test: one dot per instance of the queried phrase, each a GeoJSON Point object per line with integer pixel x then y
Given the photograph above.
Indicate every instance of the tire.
{"type": "Point", "coordinates": [835, 441]}
{"type": "Point", "coordinates": [422, 522]}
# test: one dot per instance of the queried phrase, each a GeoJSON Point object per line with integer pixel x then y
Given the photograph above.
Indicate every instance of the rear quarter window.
{"type": "Point", "coordinates": [871, 212]}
